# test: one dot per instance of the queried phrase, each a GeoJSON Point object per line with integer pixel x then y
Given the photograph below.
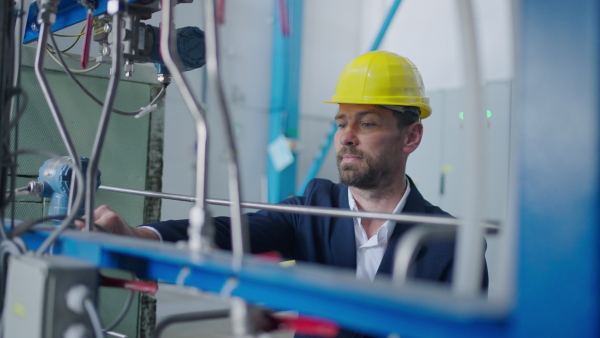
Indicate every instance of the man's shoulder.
{"type": "Point", "coordinates": [320, 191]}
{"type": "Point", "coordinates": [416, 203]}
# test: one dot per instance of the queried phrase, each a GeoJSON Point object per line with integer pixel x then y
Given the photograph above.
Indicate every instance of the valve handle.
{"type": "Point", "coordinates": [89, 22]}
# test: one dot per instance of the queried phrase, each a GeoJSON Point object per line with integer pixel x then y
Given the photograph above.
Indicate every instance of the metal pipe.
{"type": "Point", "coordinates": [46, 20]}
{"type": "Point", "coordinates": [469, 255]}
{"type": "Point", "coordinates": [308, 210]}
{"type": "Point", "coordinates": [239, 232]}
{"type": "Point", "coordinates": [197, 242]}
{"type": "Point", "coordinates": [115, 8]}
{"type": "Point", "coordinates": [406, 249]}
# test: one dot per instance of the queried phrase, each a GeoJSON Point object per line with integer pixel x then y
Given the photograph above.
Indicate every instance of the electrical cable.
{"type": "Point", "coordinates": [123, 312]}
{"type": "Point", "coordinates": [20, 112]}
{"type": "Point", "coordinates": [94, 317]}
{"type": "Point", "coordinates": [78, 71]}
{"type": "Point", "coordinates": [69, 72]}
{"type": "Point", "coordinates": [188, 317]}
{"type": "Point", "coordinates": [68, 35]}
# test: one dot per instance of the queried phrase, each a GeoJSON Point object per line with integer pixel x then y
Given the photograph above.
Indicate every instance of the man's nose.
{"type": "Point", "coordinates": [347, 136]}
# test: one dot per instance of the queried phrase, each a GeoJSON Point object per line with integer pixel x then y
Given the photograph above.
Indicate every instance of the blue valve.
{"type": "Point", "coordinates": [55, 183]}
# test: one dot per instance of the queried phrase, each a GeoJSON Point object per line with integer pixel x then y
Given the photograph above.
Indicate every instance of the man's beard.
{"type": "Point", "coordinates": [356, 175]}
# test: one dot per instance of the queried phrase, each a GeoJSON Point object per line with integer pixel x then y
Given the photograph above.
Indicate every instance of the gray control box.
{"type": "Point", "coordinates": [35, 303]}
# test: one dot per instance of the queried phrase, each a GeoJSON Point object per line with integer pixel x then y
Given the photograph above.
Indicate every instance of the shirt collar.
{"type": "Point", "coordinates": [385, 232]}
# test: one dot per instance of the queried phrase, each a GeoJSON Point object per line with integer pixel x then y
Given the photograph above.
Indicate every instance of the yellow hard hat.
{"type": "Point", "coordinates": [382, 78]}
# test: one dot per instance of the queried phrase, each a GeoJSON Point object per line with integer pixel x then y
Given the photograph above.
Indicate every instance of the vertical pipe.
{"type": "Point", "coordinates": [197, 241]}
{"type": "Point", "coordinates": [239, 233]}
{"type": "Point", "coordinates": [116, 9]}
{"type": "Point", "coordinates": [41, 77]}
{"type": "Point", "coordinates": [469, 255]}
{"type": "Point", "coordinates": [46, 20]}
{"type": "Point", "coordinates": [285, 83]}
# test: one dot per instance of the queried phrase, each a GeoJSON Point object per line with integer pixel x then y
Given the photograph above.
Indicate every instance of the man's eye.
{"type": "Point", "coordinates": [366, 124]}
{"type": "Point", "coordinates": [341, 125]}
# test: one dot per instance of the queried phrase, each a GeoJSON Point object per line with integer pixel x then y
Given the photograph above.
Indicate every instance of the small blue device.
{"type": "Point", "coordinates": [55, 182]}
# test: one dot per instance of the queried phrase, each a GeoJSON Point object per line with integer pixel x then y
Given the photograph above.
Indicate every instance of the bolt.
{"type": "Point", "coordinates": [164, 78]}
{"type": "Point", "coordinates": [107, 28]}
{"type": "Point", "coordinates": [106, 51]}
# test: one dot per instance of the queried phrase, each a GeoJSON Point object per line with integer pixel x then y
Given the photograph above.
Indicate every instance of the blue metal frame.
{"type": "Point", "coordinates": [314, 168]}
{"type": "Point", "coordinates": [285, 91]}
{"type": "Point", "coordinates": [69, 13]}
{"type": "Point", "coordinates": [382, 309]}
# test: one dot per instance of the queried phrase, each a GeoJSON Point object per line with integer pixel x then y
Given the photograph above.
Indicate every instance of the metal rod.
{"type": "Point", "coordinates": [308, 210]}
{"type": "Point", "coordinates": [406, 250]}
{"type": "Point", "coordinates": [197, 213]}
{"type": "Point", "coordinates": [469, 255]}
{"type": "Point", "coordinates": [111, 92]}
{"type": "Point", "coordinates": [47, 13]}
{"type": "Point", "coordinates": [239, 232]}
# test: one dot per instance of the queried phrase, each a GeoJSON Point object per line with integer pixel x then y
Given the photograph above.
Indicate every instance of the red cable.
{"type": "Point", "coordinates": [221, 12]}
{"type": "Point", "coordinates": [85, 55]}
{"type": "Point", "coordinates": [285, 30]}
{"type": "Point", "coordinates": [146, 287]}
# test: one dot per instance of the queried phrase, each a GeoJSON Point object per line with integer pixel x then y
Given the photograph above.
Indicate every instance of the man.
{"type": "Point", "coordinates": [381, 102]}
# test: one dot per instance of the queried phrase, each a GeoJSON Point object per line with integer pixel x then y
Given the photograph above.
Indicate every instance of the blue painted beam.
{"type": "Point", "coordinates": [418, 310]}
{"type": "Point", "coordinates": [69, 12]}
{"type": "Point", "coordinates": [285, 91]}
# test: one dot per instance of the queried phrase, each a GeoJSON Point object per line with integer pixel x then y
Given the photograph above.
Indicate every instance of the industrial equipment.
{"type": "Point", "coordinates": [54, 182]}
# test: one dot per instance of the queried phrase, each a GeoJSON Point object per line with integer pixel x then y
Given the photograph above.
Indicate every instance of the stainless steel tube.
{"type": "Point", "coordinates": [469, 254]}
{"type": "Point", "coordinates": [197, 213]}
{"type": "Point", "coordinates": [406, 250]}
{"type": "Point", "coordinates": [309, 210]}
{"type": "Point", "coordinates": [239, 232]}
{"type": "Point", "coordinates": [46, 19]}
{"type": "Point", "coordinates": [117, 8]}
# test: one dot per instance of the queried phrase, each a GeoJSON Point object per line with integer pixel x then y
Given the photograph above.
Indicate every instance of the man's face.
{"type": "Point", "coordinates": [368, 145]}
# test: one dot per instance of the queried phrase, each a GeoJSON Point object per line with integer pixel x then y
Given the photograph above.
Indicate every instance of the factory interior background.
{"type": "Point", "coordinates": [541, 117]}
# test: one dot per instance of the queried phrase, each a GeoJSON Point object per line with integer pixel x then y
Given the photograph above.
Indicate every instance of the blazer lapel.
{"type": "Point", "coordinates": [342, 241]}
{"type": "Point", "coordinates": [414, 204]}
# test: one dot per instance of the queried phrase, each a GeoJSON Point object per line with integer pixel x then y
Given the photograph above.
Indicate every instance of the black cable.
{"type": "Point", "coordinates": [123, 312]}
{"type": "Point", "coordinates": [188, 317]}
{"type": "Point", "coordinates": [88, 93]}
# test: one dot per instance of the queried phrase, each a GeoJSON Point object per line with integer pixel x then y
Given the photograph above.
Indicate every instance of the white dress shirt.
{"type": "Point", "coordinates": [369, 251]}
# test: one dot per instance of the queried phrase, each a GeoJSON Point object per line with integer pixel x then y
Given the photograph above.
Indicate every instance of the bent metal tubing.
{"type": "Point", "coordinates": [197, 214]}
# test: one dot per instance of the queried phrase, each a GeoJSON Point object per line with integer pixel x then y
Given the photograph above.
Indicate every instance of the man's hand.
{"type": "Point", "coordinates": [111, 221]}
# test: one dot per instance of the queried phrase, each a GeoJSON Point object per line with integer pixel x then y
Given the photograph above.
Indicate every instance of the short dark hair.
{"type": "Point", "coordinates": [407, 117]}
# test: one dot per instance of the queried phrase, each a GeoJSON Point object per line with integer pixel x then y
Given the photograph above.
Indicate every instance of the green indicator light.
{"type": "Point", "coordinates": [461, 115]}
{"type": "Point", "coordinates": [489, 114]}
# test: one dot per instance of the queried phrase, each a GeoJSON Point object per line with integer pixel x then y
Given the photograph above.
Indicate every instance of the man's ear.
{"type": "Point", "coordinates": [412, 137]}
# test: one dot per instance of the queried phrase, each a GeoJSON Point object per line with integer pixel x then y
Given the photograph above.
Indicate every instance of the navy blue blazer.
{"type": "Point", "coordinates": [325, 240]}
{"type": "Point", "coordinates": [328, 240]}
